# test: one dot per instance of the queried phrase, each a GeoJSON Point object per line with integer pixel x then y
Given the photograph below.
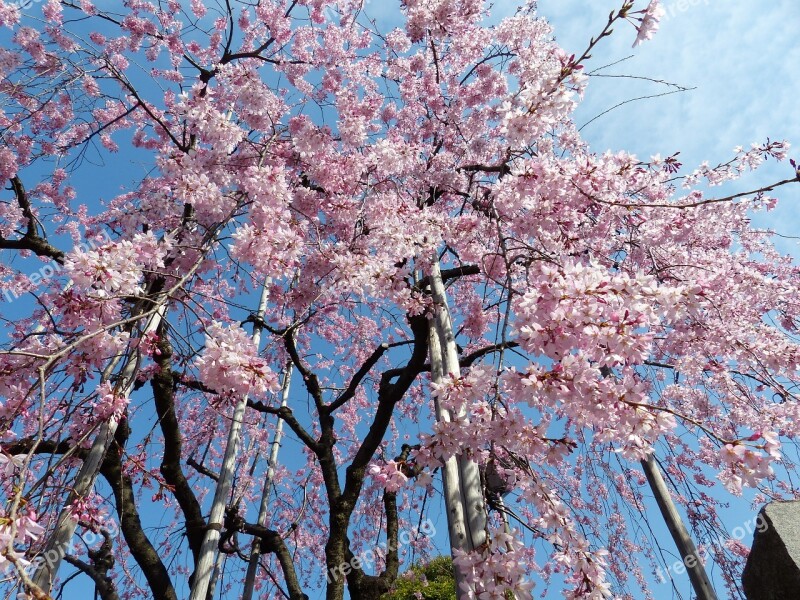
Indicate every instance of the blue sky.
{"type": "Point", "coordinates": [743, 59]}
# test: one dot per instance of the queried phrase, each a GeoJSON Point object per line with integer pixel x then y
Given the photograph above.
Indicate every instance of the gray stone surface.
{"type": "Point", "coordinates": [773, 568]}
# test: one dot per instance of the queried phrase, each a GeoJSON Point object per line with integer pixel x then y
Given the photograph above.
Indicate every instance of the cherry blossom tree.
{"type": "Point", "coordinates": [400, 217]}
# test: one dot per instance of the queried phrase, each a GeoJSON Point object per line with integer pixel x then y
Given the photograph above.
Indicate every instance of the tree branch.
{"type": "Point", "coordinates": [140, 546]}
{"type": "Point", "coordinates": [470, 359]}
{"type": "Point", "coordinates": [271, 541]}
{"type": "Point", "coordinates": [201, 469]}
{"type": "Point", "coordinates": [31, 240]}
{"type": "Point", "coordinates": [103, 586]}
{"type": "Point", "coordinates": [285, 413]}
{"type": "Point", "coordinates": [454, 273]}
{"type": "Point", "coordinates": [102, 562]}
{"type": "Point", "coordinates": [359, 375]}
{"type": "Point", "coordinates": [388, 395]}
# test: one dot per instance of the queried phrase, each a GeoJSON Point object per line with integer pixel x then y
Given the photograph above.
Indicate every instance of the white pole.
{"type": "Point", "coordinates": [470, 479]}
{"type": "Point", "coordinates": [255, 552]}
{"type": "Point", "coordinates": [466, 514]}
{"type": "Point", "coordinates": [59, 542]}
{"type": "Point", "coordinates": [205, 561]}
{"type": "Point", "coordinates": [218, 566]}
{"type": "Point", "coordinates": [456, 519]}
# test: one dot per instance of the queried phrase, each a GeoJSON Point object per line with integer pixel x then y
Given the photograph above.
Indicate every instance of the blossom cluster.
{"type": "Point", "coordinates": [230, 360]}
{"type": "Point", "coordinates": [115, 269]}
{"type": "Point", "coordinates": [389, 475]}
{"type": "Point", "coordinates": [609, 318]}
{"type": "Point", "coordinates": [24, 528]}
{"type": "Point", "coordinates": [744, 465]}
{"type": "Point", "coordinates": [649, 22]}
{"type": "Point", "coordinates": [496, 570]}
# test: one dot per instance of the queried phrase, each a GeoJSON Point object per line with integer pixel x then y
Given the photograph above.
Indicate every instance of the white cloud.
{"type": "Point", "coordinates": [741, 56]}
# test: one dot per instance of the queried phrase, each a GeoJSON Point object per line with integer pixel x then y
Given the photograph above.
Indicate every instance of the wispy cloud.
{"type": "Point", "coordinates": [742, 57]}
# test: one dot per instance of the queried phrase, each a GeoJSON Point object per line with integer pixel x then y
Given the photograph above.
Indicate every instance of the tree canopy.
{"type": "Point", "coordinates": [387, 236]}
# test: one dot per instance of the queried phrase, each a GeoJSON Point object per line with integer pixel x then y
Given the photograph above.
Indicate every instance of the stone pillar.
{"type": "Point", "coordinates": [773, 567]}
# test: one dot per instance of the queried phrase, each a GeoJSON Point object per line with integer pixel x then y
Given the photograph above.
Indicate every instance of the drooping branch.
{"type": "Point", "coordinates": [124, 382]}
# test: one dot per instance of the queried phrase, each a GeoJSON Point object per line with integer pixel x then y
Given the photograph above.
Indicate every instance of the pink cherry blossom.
{"type": "Point", "coordinates": [285, 181]}
{"type": "Point", "coordinates": [649, 22]}
{"type": "Point", "coordinates": [389, 475]}
{"type": "Point", "coordinates": [231, 361]}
